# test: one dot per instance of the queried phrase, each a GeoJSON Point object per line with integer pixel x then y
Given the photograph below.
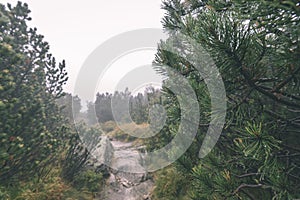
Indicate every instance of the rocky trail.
{"type": "Point", "coordinates": [128, 179]}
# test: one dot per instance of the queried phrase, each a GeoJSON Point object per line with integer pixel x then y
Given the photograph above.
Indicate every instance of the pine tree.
{"type": "Point", "coordinates": [255, 45]}
{"type": "Point", "coordinates": [103, 107]}
{"type": "Point", "coordinates": [31, 129]}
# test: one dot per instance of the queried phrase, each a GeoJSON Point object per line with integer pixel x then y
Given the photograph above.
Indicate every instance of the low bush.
{"type": "Point", "coordinates": [170, 184]}
{"type": "Point", "coordinates": [88, 180]}
{"type": "Point", "coordinates": [108, 126]}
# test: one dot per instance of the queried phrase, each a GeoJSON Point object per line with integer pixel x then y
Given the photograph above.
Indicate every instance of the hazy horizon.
{"type": "Point", "coordinates": [79, 27]}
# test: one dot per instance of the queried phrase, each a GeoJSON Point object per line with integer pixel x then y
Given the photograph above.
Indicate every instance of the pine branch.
{"type": "Point", "coordinates": [286, 81]}
{"type": "Point", "coordinates": [281, 93]}
{"type": "Point", "coordinates": [289, 155]}
{"type": "Point", "coordinates": [244, 185]}
{"type": "Point", "coordinates": [265, 92]}
{"type": "Point", "coordinates": [292, 148]}
{"type": "Point", "coordinates": [252, 83]}
{"type": "Point", "coordinates": [273, 114]}
{"type": "Point", "coordinates": [246, 175]}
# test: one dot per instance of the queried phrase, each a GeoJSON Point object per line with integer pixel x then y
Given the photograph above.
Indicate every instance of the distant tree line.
{"type": "Point", "coordinates": [100, 111]}
{"type": "Point", "coordinates": [137, 105]}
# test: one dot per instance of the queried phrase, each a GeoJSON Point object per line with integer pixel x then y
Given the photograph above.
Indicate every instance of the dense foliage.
{"type": "Point", "coordinates": [30, 81]}
{"type": "Point", "coordinates": [41, 155]}
{"type": "Point", "coordinates": [255, 45]}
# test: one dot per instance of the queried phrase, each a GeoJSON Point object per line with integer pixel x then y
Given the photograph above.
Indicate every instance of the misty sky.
{"type": "Point", "coordinates": [75, 28]}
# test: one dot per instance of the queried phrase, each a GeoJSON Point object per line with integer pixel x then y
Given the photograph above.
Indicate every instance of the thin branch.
{"type": "Point", "coordinates": [246, 175]}
{"type": "Point", "coordinates": [252, 83]}
{"type": "Point", "coordinates": [273, 114]}
{"type": "Point", "coordinates": [266, 93]}
{"type": "Point", "coordinates": [282, 93]}
{"type": "Point", "coordinates": [289, 155]}
{"type": "Point", "coordinates": [243, 185]}
{"type": "Point", "coordinates": [286, 81]}
{"type": "Point", "coordinates": [293, 148]}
